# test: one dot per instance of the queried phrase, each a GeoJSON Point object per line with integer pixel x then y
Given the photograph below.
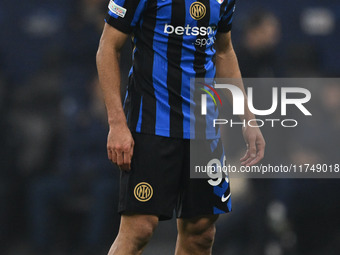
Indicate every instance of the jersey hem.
{"type": "Point", "coordinates": [224, 29]}
{"type": "Point", "coordinates": [182, 135]}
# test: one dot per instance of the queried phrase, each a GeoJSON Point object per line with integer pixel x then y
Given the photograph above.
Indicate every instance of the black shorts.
{"type": "Point", "coordinates": [159, 181]}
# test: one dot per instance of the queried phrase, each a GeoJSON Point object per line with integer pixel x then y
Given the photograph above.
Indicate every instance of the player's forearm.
{"type": "Point", "coordinates": [227, 67]}
{"type": "Point", "coordinates": [227, 64]}
{"type": "Point", "coordinates": [109, 77]}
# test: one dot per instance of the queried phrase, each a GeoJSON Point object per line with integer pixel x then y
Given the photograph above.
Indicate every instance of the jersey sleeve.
{"type": "Point", "coordinates": [227, 18]}
{"type": "Point", "coordinates": [125, 14]}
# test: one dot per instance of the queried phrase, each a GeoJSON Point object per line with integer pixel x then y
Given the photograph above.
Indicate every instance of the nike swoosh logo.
{"type": "Point", "coordinates": [225, 198]}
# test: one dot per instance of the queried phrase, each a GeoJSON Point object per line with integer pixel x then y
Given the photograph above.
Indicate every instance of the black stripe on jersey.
{"type": "Point", "coordinates": [230, 6]}
{"type": "Point", "coordinates": [149, 99]}
{"type": "Point", "coordinates": [199, 61]}
{"type": "Point", "coordinates": [223, 5]}
{"type": "Point", "coordinates": [200, 55]}
{"type": "Point", "coordinates": [224, 25]}
{"type": "Point", "coordinates": [174, 76]}
{"type": "Point", "coordinates": [132, 104]}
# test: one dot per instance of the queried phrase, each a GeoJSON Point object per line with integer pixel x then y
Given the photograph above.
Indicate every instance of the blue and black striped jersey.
{"type": "Point", "coordinates": [173, 42]}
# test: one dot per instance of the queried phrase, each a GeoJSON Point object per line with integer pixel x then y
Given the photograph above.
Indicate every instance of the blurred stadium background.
{"type": "Point", "coordinates": [58, 192]}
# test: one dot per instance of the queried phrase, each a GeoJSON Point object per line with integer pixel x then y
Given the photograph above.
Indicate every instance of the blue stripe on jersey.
{"type": "Point", "coordinates": [133, 57]}
{"type": "Point", "coordinates": [186, 109]}
{"type": "Point", "coordinates": [139, 123]}
{"type": "Point", "coordinates": [231, 20]}
{"type": "Point", "coordinates": [223, 154]}
{"type": "Point", "coordinates": [187, 92]}
{"type": "Point", "coordinates": [124, 105]}
{"type": "Point", "coordinates": [139, 10]}
{"type": "Point", "coordinates": [212, 110]}
{"type": "Point", "coordinates": [229, 204]}
{"type": "Point", "coordinates": [125, 98]}
{"type": "Point", "coordinates": [192, 109]}
{"type": "Point", "coordinates": [213, 146]}
{"type": "Point", "coordinates": [160, 65]}
{"type": "Point", "coordinates": [120, 2]}
{"type": "Point", "coordinates": [210, 68]}
{"type": "Point", "coordinates": [218, 211]}
{"type": "Point", "coordinates": [230, 13]}
{"type": "Point", "coordinates": [113, 15]}
{"type": "Point", "coordinates": [212, 114]}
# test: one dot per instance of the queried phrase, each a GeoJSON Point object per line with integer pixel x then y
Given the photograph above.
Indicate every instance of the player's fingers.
{"type": "Point", "coordinates": [127, 161]}
{"type": "Point", "coordinates": [245, 159]}
{"type": "Point", "coordinates": [131, 150]}
{"type": "Point", "coordinates": [120, 159]}
{"type": "Point", "coordinates": [252, 149]}
{"type": "Point", "coordinates": [260, 150]}
{"type": "Point", "coordinates": [246, 155]}
{"type": "Point", "coordinates": [249, 157]}
{"type": "Point", "coordinates": [126, 157]}
{"type": "Point", "coordinates": [254, 161]}
{"type": "Point", "coordinates": [109, 154]}
{"type": "Point", "coordinates": [125, 167]}
{"type": "Point", "coordinates": [259, 154]}
{"type": "Point", "coordinates": [128, 152]}
{"type": "Point", "coordinates": [246, 162]}
{"type": "Point", "coordinates": [131, 153]}
{"type": "Point", "coordinates": [114, 156]}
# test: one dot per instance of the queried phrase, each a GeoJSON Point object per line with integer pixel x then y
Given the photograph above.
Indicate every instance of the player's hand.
{"type": "Point", "coordinates": [255, 146]}
{"type": "Point", "coordinates": [120, 146]}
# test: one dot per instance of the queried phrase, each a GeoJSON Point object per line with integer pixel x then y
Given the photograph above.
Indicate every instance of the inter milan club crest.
{"type": "Point", "coordinates": [220, 1]}
{"type": "Point", "coordinates": [143, 191]}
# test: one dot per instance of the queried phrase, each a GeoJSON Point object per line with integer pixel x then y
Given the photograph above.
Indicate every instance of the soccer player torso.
{"type": "Point", "coordinates": [173, 42]}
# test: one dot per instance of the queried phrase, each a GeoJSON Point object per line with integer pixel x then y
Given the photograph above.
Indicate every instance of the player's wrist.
{"type": "Point", "coordinates": [117, 120]}
{"type": "Point", "coordinates": [248, 117]}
